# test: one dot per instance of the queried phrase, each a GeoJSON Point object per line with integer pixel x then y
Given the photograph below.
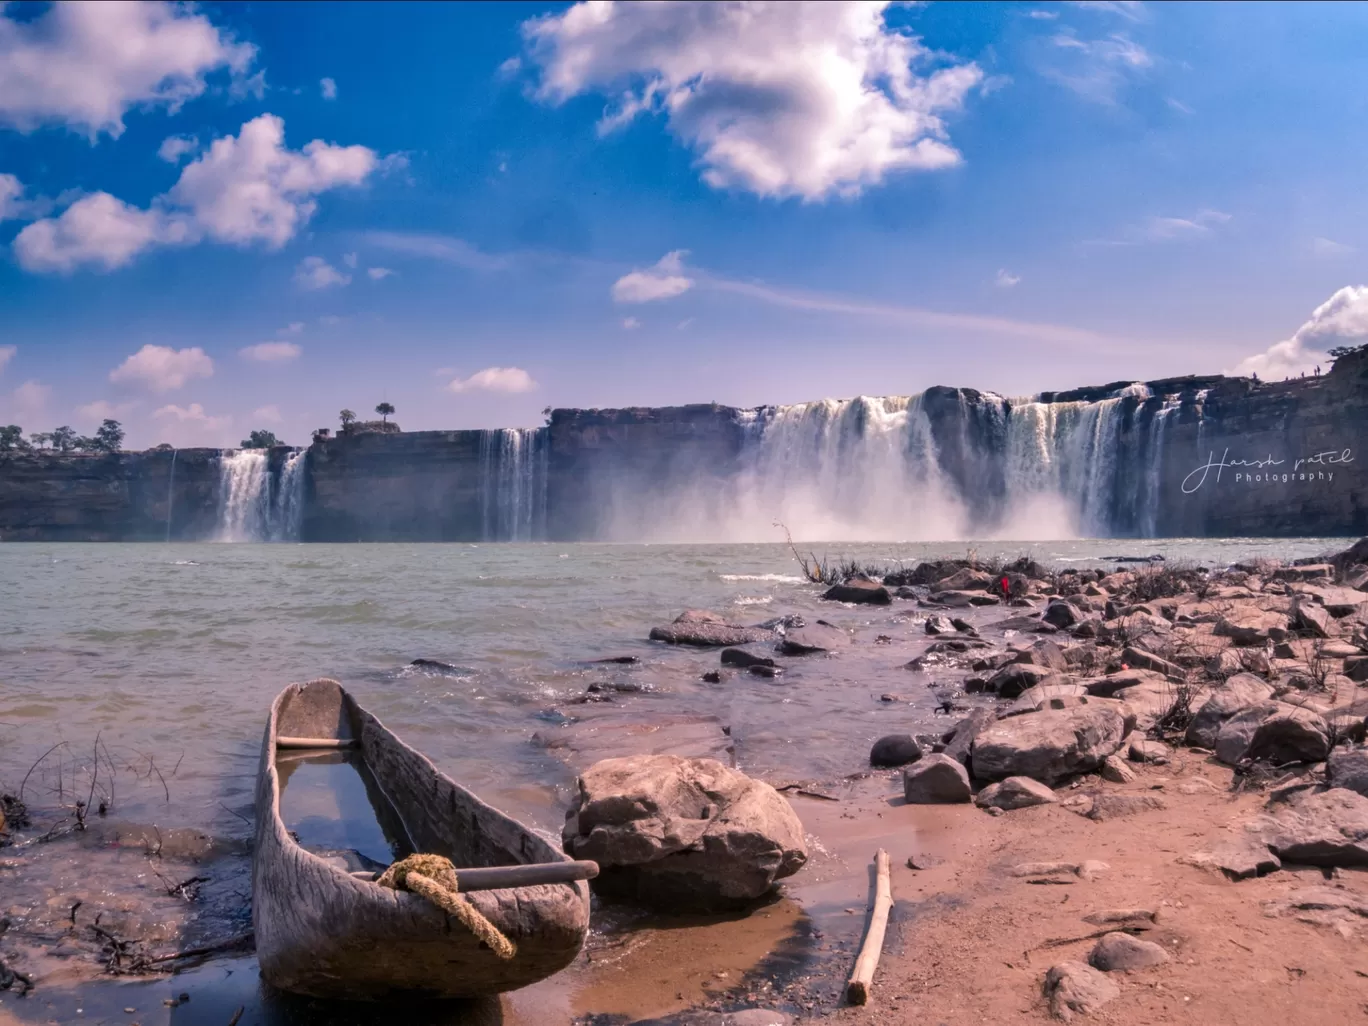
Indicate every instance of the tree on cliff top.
{"type": "Point", "coordinates": [63, 439]}
{"type": "Point", "coordinates": [110, 436]}
{"type": "Point", "coordinates": [348, 419]}
{"type": "Point", "coordinates": [12, 439]}
{"type": "Point", "coordinates": [260, 440]}
{"type": "Point", "coordinates": [385, 410]}
{"type": "Point", "coordinates": [1341, 351]}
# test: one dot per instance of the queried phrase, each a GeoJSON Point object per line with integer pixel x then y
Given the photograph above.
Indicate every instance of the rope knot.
{"type": "Point", "coordinates": [434, 877]}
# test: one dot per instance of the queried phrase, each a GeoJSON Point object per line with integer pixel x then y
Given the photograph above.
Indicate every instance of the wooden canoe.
{"type": "Point", "coordinates": [327, 932]}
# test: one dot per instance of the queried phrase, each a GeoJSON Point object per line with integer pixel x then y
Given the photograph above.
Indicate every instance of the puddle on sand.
{"type": "Point", "coordinates": [332, 802]}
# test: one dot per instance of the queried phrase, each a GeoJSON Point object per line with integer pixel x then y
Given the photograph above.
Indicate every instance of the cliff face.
{"type": "Point", "coordinates": [126, 496]}
{"type": "Point", "coordinates": [1181, 457]}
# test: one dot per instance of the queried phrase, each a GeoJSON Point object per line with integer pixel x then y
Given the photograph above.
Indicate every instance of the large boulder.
{"type": "Point", "coordinates": [1120, 952]}
{"type": "Point", "coordinates": [965, 579]}
{"type": "Point", "coordinates": [939, 623]}
{"type": "Point", "coordinates": [682, 833]}
{"type": "Point", "coordinates": [1311, 620]}
{"type": "Point", "coordinates": [707, 630]}
{"type": "Point", "coordinates": [1015, 793]}
{"type": "Point", "coordinates": [1051, 745]}
{"type": "Point", "coordinates": [1236, 694]}
{"type": "Point", "coordinates": [1061, 614]}
{"type": "Point", "coordinates": [1044, 653]}
{"type": "Point", "coordinates": [1140, 659]}
{"type": "Point", "coordinates": [934, 780]}
{"type": "Point", "coordinates": [1275, 731]}
{"type": "Point", "coordinates": [813, 638]}
{"type": "Point", "coordinates": [1014, 678]}
{"type": "Point", "coordinates": [959, 743]}
{"type": "Point", "coordinates": [894, 750]}
{"type": "Point", "coordinates": [859, 590]}
{"type": "Point", "coordinates": [1249, 625]}
{"type": "Point", "coordinates": [1326, 829]}
{"type": "Point", "coordinates": [1073, 988]}
{"type": "Point", "coordinates": [1348, 768]}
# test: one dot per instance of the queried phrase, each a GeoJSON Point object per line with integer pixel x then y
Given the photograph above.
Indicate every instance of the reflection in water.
{"type": "Point", "coordinates": [333, 803]}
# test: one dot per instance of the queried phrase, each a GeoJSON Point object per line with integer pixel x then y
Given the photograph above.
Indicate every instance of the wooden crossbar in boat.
{"type": "Point", "coordinates": [317, 742]}
{"type": "Point", "coordinates": [493, 878]}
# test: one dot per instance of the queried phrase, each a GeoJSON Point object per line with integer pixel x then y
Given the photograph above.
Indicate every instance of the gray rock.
{"type": "Point", "coordinates": [1120, 952]}
{"type": "Point", "coordinates": [1311, 619]}
{"type": "Point", "coordinates": [1073, 988]}
{"type": "Point", "coordinates": [1239, 858]}
{"type": "Point", "coordinates": [1348, 768]}
{"type": "Point", "coordinates": [683, 833]}
{"type": "Point", "coordinates": [936, 779]}
{"type": "Point", "coordinates": [1108, 686]}
{"type": "Point", "coordinates": [1236, 694]}
{"type": "Point", "coordinates": [961, 742]}
{"type": "Point", "coordinates": [895, 750]}
{"type": "Point", "coordinates": [965, 579]}
{"type": "Point", "coordinates": [1114, 768]}
{"type": "Point", "coordinates": [1142, 660]}
{"type": "Point", "coordinates": [1142, 750]}
{"type": "Point", "coordinates": [1119, 806]}
{"type": "Point", "coordinates": [1327, 829]}
{"type": "Point", "coordinates": [1249, 625]}
{"type": "Point", "coordinates": [1015, 793]}
{"type": "Point", "coordinates": [1275, 731]}
{"type": "Point", "coordinates": [939, 623]}
{"type": "Point", "coordinates": [1014, 678]}
{"type": "Point", "coordinates": [1048, 695]}
{"type": "Point", "coordinates": [707, 630]}
{"type": "Point", "coordinates": [1061, 615]}
{"type": "Point", "coordinates": [1044, 653]}
{"type": "Point", "coordinates": [814, 638]}
{"type": "Point", "coordinates": [859, 591]}
{"type": "Point", "coordinates": [740, 657]}
{"type": "Point", "coordinates": [1049, 745]}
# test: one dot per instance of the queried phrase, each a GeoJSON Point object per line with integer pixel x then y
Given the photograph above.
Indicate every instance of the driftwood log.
{"type": "Point", "coordinates": [324, 932]}
{"type": "Point", "coordinates": [857, 990]}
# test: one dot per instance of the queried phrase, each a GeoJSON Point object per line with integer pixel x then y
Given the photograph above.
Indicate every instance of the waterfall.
{"type": "Point", "coordinates": [256, 506]}
{"type": "Point", "coordinates": [171, 493]}
{"type": "Point", "coordinates": [513, 465]}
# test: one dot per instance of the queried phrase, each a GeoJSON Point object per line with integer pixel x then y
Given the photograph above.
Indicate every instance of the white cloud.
{"type": "Point", "coordinates": [99, 230]}
{"type": "Point", "coordinates": [174, 147]}
{"type": "Point", "coordinates": [665, 280]}
{"type": "Point", "coordinates": [778, 99]}
{"type": "Point", "coordinates": [1097, 69]}
{"type": "Point", "coordinates": [190, 425]}
{"type": "Point", "coordinates": [1131, 10]}
{"type": "Point", "coordinates": [26, 404]}
{"type": "Point", "coordinates": [267, 415]}
{"type": "Point", "coordinates": [351, 260]}
{"type": "Point", "coordinates": [102, 409]}
{"type": "Point", "coordinates": [1165, 229]}
{"type": "Point", "coordinates": [630, 323]}
{"type": "Point", "coordinates": [13, 206]}
{"type": "Point", "coordinates": [316, 273]}
{"type": "Point", "coordinates": [246, 188]}
{"type": "Point", "coordinates": [445, 248]}
{"type": "Point", "coordinates": [163, 369]}
{"type": "Point", "coordinates": [6, 355]}
{"type": "Point", "coordinates": [1179, 106]}
{"type": "Point", "coordinates": [1323, 247]}
{"type": "Point", "coordinates": [328, 88]}
{"type": "Point", "coordinates": [378, 273]}
{"type": "Point", "coordinates": [87, 64]}
{"type": "Point", "coordinates": [494, 379]}
{"type": "Point", "coordinates": [293, 328]}
{"type": "Point", "coordinates": [1006, 279]}
{"type": "Point", "coordinates": [271, 352]}
{"type": "Point", "coordinates": [1340, 320]}
{"type": "Point", "coordinates": [1040, 15]}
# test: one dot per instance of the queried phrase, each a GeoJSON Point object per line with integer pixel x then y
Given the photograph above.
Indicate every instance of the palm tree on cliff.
{"type": "Point", "coordinates": [385, 410]}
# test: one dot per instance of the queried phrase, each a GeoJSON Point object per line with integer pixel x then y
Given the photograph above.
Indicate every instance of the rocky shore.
{"type": "Point", "coordinates": [1144, 799]}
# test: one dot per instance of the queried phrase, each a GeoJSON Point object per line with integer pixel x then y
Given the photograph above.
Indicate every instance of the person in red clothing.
{"type": "Point", "coordinates": [1006, 585]}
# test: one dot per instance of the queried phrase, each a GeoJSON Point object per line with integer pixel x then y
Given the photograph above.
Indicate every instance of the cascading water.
{"type": "Point", "coordinates": [513, 465]}
{"type": "Point", "coordinates": [252, 506]}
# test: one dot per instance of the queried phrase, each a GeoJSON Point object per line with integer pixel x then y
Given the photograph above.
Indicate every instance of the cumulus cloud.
{"type": "Point", "coordinates": [271, 352]}
{"type": "Point", "coordinates": [378, 273]}
{"type": "Point", "coordinates": [665, 280]}
{"type": "Point", "coordinates": [191, 425]}
{"type": "Point", "coordinates": [13, 206]}
{"type": "Point", "coordinates": [6, 355]}
{"type": "Point", "coordinates": [328, 88]}
{"type": "Point", "coordinates": [85, 65]}
{"type": "Point", "coordinates": [174, 147]}
{"type": "Point", "coordinates": [26, 404]}
{"type": "Point", "coordinates": [781, 100]}
{"type": "Point", "coordinates": [1006, 279]}
{"type": "Point", "coordinates": [316, 273]}
{"type": "Point", "coordinates": [244, 189]}
{"type": "Point", "coordinates": [494, 379]}
{"type": "Point", "coordinates": [1340, 320]}
{"type": "Point", "coordinates": [162, 369]}
{"type": "Point", "coordinates": [630, 324]}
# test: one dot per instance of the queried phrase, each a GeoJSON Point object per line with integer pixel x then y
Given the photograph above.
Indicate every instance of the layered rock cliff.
{"type": "Point", "coordinates": [1191, 456]}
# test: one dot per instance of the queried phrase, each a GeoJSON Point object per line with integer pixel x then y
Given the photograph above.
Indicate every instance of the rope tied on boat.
{"type": "Point", "coordinates": [434, 878]}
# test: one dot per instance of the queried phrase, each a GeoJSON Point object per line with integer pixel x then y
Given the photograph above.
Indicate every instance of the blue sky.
{"type": "Point", "coordinates": [215, 218]}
